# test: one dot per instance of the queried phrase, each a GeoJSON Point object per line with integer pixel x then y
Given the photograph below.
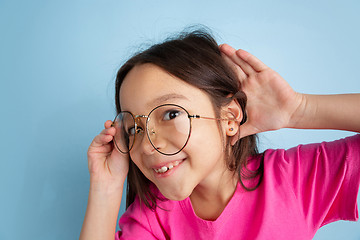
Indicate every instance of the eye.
{"type": "Point", "coordinates": [131, 131]}
{"type": "Point", "coordinates": [171, 114]}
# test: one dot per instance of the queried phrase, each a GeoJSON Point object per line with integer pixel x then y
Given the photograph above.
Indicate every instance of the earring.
{"type": "Point", "coordinates": [231, 129]}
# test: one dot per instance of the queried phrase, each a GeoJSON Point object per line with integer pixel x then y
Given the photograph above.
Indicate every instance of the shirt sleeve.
{"type": "Point", "coordinates": [325, 179]}
{"type": "Point", "coordinates": [134, 224]}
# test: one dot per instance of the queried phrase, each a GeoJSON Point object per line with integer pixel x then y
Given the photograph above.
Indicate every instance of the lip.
{"type": "Point", "coordinates": [168, 172]}
{"type": "Point", "coordinates": [165, 163]}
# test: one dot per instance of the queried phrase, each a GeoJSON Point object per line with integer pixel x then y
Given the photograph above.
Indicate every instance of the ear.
{"type": "Point", "coordinates": [234, 114]}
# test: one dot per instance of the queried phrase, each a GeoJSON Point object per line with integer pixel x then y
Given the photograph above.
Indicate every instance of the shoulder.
{"type": "Point", "coordinates": [138, 218]}
{"type": "Point", "coordinates": [341, 147]}
{"type": "Point", "coordinates": [309, 180]}
{"type": "Point", "coordinates": [329, 163]}
{"type": "Point", "coordinates": [139, 212]}
{"type": "Point", "coordinates": [309, 160]}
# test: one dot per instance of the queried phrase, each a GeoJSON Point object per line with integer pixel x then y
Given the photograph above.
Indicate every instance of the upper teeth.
{"type": "Point", "coordinates": [168, 167]}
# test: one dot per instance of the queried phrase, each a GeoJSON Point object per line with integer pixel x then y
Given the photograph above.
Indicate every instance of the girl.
{"type": "Point", "coordinates": [188, 111]}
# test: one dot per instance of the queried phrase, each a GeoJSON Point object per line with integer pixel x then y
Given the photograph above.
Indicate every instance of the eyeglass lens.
{"type": "Point", "coordinates": [168, 129]}
{"type": "Point", "coordinates": [124, 124]}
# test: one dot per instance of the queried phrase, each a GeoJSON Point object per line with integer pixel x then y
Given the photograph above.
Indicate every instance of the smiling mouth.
{"type": "Point", "coordinates": [167, 167]}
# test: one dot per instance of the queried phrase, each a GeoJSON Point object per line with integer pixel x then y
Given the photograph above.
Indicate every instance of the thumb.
{"type": "Point", "coordinates": [244, 131]}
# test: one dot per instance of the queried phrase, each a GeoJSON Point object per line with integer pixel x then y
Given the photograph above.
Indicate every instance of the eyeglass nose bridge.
{"type": "Point", "coordinates": [149, 132]}
{"type": "Point", "coordinates": [137, 118]}
{"type": "Point", "coordinates": [137, 121]}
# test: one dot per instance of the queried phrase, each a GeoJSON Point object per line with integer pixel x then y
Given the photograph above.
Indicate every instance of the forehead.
{"type": "Point", "coordinates": [147, 86]}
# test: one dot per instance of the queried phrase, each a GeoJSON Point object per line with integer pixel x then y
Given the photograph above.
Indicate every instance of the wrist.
{"type": "Point", "coordinates": [101, 214]}
{"type": "Point", "coordinates": [301, 111]}
{"type": "Point", "coordinates": [107, 187]}
{"type": "Point", "coordinates": [107, 199]}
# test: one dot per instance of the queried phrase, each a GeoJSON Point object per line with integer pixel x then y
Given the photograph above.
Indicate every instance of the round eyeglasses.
{"type": "Point", "coordinates": [168, 128]}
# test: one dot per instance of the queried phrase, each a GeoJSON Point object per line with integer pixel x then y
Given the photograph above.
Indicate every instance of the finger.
{"type": "Point", "coordinates": [227, 49]}
{"type": "Point", "coordinates": [245, 130]}
{"type": "Point", "coordinates": [237, 70]}
{"type": "Point", "coordinates": [253, 61]}
{"type": "Point", "coordinates": [231, 53]}
{"type": "Point", "coordinates": [104, 137]}
{"type": "Point", "coordinates": [108, 124]}
{"type": "Point", "coordinates": [101, 140]}
{"type": "Point", "coordinates": [248, 129]}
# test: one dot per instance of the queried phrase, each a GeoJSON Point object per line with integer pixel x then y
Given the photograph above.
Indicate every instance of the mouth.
{"type": "Point", "coordinates": [169, 166]}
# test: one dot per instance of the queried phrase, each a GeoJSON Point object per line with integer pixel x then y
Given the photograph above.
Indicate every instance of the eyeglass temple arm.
{"type": "Point", "coordinates": [221, 119]}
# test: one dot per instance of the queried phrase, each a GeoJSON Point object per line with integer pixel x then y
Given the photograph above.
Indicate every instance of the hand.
{"type": "Point", "coordinates": [271, 101]}
{"type": "Point", "coordinates": [108, 167]}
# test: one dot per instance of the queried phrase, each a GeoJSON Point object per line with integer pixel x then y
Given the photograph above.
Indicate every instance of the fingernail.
{"type": "Point", "coordinates": [226, 49]}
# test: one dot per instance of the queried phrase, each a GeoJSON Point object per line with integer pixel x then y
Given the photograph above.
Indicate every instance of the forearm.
{"type": "Point", "coordinates": [341, 112]}
{"type": "Point", "coordinates": [101, 214]}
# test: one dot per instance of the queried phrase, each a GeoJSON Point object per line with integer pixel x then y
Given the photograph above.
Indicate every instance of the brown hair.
{"type": "Point", "coordinates": [195, 58]}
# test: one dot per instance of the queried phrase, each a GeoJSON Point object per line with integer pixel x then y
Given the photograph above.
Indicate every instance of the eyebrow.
{"type": "Point", "coordinates": [167, 97]}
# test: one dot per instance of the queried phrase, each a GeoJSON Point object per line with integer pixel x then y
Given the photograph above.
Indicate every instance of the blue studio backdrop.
{"type": "Point", "coordinates": [58, 63]}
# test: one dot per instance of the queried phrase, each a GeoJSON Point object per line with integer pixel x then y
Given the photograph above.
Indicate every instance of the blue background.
{"type": "Point", "coordinates": [58, 62]}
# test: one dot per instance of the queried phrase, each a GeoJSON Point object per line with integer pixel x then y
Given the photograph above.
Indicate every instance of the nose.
{"type": "Point", "coordinates": [145, 145]}
{"type": "Point", "coordinates": [152, 142]}
{"type": "Point", "coordinates": [142, 142]}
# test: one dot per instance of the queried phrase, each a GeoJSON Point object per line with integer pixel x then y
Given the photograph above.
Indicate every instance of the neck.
{"type": "Point", "coordinates": [210, 197]}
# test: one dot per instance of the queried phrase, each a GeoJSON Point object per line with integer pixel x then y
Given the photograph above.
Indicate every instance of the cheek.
{"type": "Point", "coordinates": [205, 139]}
{"type": "Point", "coordinates": [137, 161]}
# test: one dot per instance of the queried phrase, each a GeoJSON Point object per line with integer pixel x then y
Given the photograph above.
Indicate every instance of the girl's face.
{"type": "Point", "coordinates": [201, 163]}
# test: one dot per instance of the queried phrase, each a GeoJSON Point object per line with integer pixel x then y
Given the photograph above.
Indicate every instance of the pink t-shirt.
{"type": "Point", "coordinates": [303, 188]}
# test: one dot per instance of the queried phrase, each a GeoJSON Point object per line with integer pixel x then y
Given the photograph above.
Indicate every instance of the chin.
{"type": "Point", "coordinates": [175, 195]}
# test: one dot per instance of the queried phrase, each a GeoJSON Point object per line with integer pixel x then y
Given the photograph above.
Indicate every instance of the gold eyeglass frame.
{"type": "Point", "coordinates": [195, 116]}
